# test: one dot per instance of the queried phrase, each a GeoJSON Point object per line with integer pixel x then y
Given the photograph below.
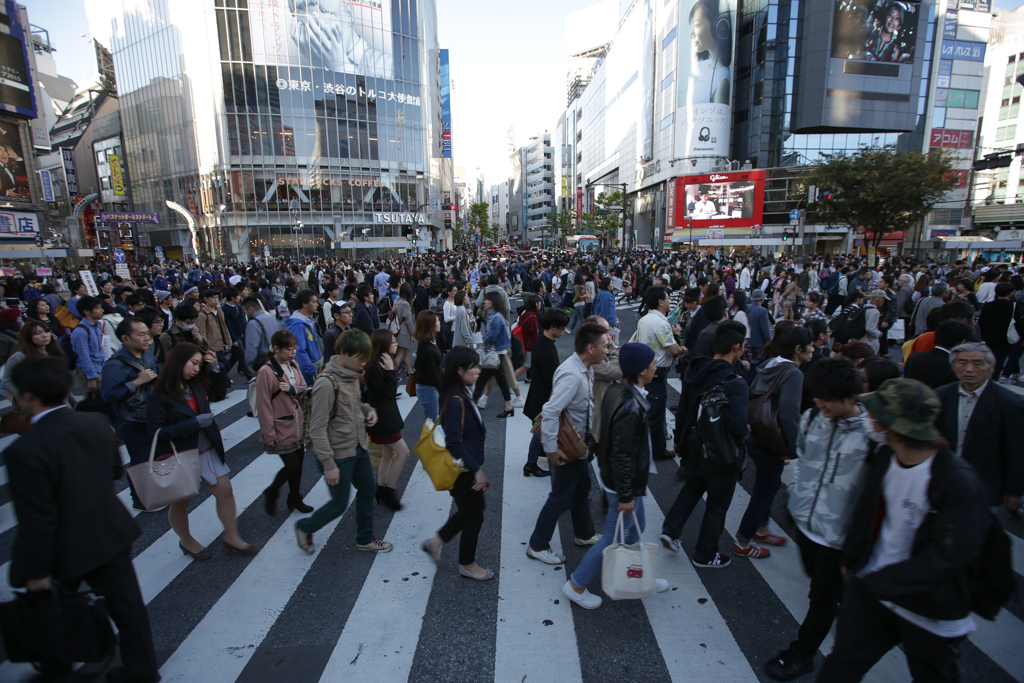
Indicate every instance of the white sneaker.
{"type": "Point", "coordinates": [481, 402]}
{"type": "Point", "coordinates": [586, 599]}
{"type": "Point", "coordinates": [661, 585]}
{"type": "Point", "coordinates": [518, 402]}
{"type": "Point", "coordinates": [304, 540]}
{"type": "Point", "coordinates": [588, 541]}
{"type": "Point", "coordinates": [545, 556]}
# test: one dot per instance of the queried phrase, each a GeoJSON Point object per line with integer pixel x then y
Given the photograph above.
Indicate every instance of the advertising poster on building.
{"type": "Point", "coordinates": [647, 101]}
{"type": "Point", "coordinates": [704, 79]}
{"type": "Point", "coordinates": [17, 93]}
{"type": "Point", "coordinates": [875, 30]}
{"type": "Point", "coordinates": [446, 108]}
{"type": "Point", "coordinates": [341, 36]}
{"type": "Point", "coordinates": [730, 201]}
{"type": "Point", "coordinates": [116, 175]}
{"type": "Point", "coordinates": [13, 176]}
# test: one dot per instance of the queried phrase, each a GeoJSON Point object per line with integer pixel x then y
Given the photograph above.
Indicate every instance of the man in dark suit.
{"type": "Point", "coordinates": [933, 367]}
{"type": "Point", "coordinates": [981, 420]}
{"type": "Point", "coordinates": [71, 526]}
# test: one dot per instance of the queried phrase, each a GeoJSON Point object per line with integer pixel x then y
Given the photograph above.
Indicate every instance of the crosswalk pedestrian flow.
{"type": "Point", "coordinates": [344, 615]}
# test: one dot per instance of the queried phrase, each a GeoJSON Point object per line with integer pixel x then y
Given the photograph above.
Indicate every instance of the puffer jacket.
{"type": "Point", "coordinates": [624, 451]}
{"type": "Point", "coordinates": [336, 438]}
{"type": "Point", "coordinates": [833, 455]}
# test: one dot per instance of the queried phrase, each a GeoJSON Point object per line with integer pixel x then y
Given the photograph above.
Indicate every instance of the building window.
{"type": "Point", "coordinates": [667, 81]}
{"type": "Point", "coordinates": [668, 38]}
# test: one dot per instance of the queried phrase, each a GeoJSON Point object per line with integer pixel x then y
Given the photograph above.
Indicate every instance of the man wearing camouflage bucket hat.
{"type": "Point", "coordinates": [908, 576]}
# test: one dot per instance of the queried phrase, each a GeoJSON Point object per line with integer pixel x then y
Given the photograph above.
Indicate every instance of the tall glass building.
{"type": "Point", "coordinates": [288, 127]}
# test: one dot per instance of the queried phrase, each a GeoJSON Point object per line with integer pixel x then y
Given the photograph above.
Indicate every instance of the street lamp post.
{"type": "Point", "coordinates": [296, 227]}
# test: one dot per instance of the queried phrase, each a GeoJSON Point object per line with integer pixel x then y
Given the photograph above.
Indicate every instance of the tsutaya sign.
{"type": "Point", "coordinates": [400, 218]}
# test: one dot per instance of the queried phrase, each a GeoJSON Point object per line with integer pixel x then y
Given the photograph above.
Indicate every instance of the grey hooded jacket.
{"type": "Point", "coordinates": [833, 454]}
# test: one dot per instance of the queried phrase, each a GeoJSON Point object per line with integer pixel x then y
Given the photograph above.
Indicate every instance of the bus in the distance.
{"type": "Point", "coordinates": [588, 244]}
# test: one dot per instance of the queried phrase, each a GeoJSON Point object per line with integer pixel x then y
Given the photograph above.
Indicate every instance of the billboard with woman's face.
{"type": "Point", "coordinates": [875, 30]}
{"type": "Point", "coordinates": [13, 174]}
{"type": "Point", "coordinates": [704, 79]}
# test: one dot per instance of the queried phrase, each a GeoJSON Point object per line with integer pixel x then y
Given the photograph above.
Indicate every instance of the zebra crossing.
{"type": "Point", "coordinates": [342, 615]}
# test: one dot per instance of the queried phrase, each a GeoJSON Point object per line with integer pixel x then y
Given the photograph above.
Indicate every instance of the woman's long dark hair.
{"type": "Point", "coordinates": [497, 302]}
{"type": "Point", "coordinates": [381, 340]}
{"type": "Point", "coordinates": [168, 383]}
{"type": "Point", "coordinates": [771, 349]}
{"type": "Point", "coordinates": [459, 358]}
{"type": "Point", "coordinates": [25, 344]}
{"type": "Point", "coordinates": [739, 300]}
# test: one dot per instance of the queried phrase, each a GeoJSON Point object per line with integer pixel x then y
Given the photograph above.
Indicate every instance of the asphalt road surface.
{"type": "Point", "coordinates": [346, 615]}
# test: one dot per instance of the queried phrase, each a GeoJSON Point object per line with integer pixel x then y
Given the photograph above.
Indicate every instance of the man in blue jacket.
{"type": "Point", "coordinates": [127, 382]}
{"type": "Point", "coordinates": [604, 306]}
{"type": "Point", "coordinates": [309, 356]}
{"type": "Point", "coordinates": [87, 342]}
{"type": "Point", "coordinates": [757, 318]}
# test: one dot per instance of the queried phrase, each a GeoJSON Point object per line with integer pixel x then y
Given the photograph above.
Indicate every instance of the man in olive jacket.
{"type": "Point", "coordinates": [337, 431]}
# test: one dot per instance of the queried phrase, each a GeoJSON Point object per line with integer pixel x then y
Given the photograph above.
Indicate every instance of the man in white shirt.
{"type": "Point", "coordinates": [705, 208]}
{"type": "Point", "coordinates": [745, 276]}
{"type": "Point", "coordinates": [655, 332]}
{"type": "Point", "coordinates": [908, 579]}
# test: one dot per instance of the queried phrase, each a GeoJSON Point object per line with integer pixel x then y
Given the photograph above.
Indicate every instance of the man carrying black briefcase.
{"type": "Point", "coordinates": [71, 526]}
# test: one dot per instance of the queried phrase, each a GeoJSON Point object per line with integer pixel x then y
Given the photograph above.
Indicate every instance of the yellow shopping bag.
{"type": "Point", "coordinates": [435, 458]}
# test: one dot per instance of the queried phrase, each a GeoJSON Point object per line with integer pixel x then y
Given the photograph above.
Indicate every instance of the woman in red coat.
{"type": "Point", "coordinates": [529, 325]}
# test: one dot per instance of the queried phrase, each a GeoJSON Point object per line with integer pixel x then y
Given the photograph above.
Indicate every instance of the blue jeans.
{"type": "Point", "coordinates": [766, 485]}
{"type": "Point", "coordinates": [719, 490]}
{"type": "Point", "coordinates": [534, 452]}
{"type": "Point", "coordinates": [657, 394]}
{"type": "Point", "coordinates": [1012, 364]}
{"type": "Point", "coordinates": [570, 490]}
{"type": "Point", "coordinates": [591, 562]}
{"type": "Point", "coordinates": [356, 472]}
{"type": "Point", "coordinates": [428, 398]}
{"type": "Point", "coordinates": [575, 321]}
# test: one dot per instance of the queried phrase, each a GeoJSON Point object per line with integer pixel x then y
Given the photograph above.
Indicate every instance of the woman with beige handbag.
{"type": "Point", "coordinates": [179, 409]}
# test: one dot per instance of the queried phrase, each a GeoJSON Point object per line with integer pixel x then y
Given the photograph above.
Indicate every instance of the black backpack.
{"type": "Point", "coordinates": [991, 575]}
{"type": "Point", "coordinates": [846, 327]}
{"type": "Point", "coordinates": [714, 451]}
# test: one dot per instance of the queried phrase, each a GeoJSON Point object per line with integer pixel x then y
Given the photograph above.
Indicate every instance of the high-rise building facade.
{"type": "Point", "coordinates": [274, 127]}
{"type": "Point", "coordinates": [540, 186]}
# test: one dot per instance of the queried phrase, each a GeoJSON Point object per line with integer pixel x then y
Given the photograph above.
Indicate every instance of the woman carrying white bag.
{"type": "Point", "coordinates": [179, 410]}
{"type": "Point", "coordinates": [624, 457]}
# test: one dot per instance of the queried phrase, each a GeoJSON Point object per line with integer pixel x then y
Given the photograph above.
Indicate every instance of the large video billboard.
{"type": "Point", "coordinates": [876, 30]}
{"type": "Point", "coordinates": [719, 200]}
{"type": "Point", "coordinates": [17, 93]}
{"type": "Point", "coordinates": [343, 36]}
{"type": "Point", "coordinates": [13, 174]}
{"type": "Point", "coordinates": [704, 79]}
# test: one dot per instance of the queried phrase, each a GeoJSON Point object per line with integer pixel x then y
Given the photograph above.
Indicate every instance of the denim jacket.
{"type": "Point", "coordinates": [497, 337]}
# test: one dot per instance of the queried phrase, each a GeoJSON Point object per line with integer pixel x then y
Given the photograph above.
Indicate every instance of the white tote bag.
{"type": "Point", "coordinates": [1012, 336]}
{"type": "Point", "coordinates": [628, 571]}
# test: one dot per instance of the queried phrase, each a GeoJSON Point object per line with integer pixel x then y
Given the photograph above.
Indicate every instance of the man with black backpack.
{"type": "Point", "coordinates": [711, 426]}
{"type": "Point", "coordinates": [127, 381]}
{"type": "Point", "coordinates": [851, 323]}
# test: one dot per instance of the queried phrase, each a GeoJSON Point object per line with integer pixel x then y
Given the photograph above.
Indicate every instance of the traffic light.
{"type": "Point", "coordinates": [785, 236]}
{"type": "Point", "coordinates": [829, 196]}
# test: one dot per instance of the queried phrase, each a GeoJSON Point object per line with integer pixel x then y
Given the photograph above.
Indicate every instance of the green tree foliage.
{"type": "Point", "coordinates": [879, 188]}
{"type": "Point", "coordinates": [606, 220]}
{"type": "Point", "coordinates": [561, 223]}
{"type": "Point", "coordinates": [480, 217]}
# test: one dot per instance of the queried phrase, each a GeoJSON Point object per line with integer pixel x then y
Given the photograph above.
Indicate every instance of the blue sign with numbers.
{"type": "Point", "coordinates": [119, 256]}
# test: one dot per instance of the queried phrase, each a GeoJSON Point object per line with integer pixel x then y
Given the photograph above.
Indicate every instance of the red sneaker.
{"type": "Point", "coordinates": [753, 551]}
{"type": "Point", "coordinates": [770, 539]}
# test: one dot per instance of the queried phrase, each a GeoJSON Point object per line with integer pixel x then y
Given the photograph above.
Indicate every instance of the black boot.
{"type": "Point", "coordinates": [295, 503]}
{"type": "Point", "coordinates": [386, 497]}
{"type": "Point", "coordinates": [532, 469]}
{"type": "Point", "coordinates": [270, 501]}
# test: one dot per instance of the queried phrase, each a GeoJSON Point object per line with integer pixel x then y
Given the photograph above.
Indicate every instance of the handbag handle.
{"type": "Point", "coordinates": [620, 528]}
{"type": "Point", "coordinates": [152, 454]}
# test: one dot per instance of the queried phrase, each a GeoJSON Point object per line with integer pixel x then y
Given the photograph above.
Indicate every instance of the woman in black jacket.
{"type": "Point", "coordinates": [624, 456]}
{"type": "Point", "coordinates": [179, 410]}
{"type": "Point", "coordinates": [427, 366]}
{"type": "Point", "coordinates": [544, 362]}
{"type": "Point", "coordinates": [381, 389]}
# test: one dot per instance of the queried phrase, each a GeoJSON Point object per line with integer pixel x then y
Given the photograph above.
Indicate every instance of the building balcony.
{"type": "Point", "coordinates": [999, 213]}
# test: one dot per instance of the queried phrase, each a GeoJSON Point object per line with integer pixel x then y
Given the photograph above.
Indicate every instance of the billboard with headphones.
{"type": "Point", "coordinates": [704, 79]}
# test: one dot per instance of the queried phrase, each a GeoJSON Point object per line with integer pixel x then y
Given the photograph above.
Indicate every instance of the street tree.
{"type": "Point", "coordinates": [606, 220]}
{"type": "Point", "coordinates": [881, 189]}
{"type": "Point", "coordinates": [480, 217]}
{"type": "Point", "coordinates": [561, 224]}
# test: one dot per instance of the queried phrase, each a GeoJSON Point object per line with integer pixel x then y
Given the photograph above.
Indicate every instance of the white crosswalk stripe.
{"type": "Point", "coordinates": [382, 634]}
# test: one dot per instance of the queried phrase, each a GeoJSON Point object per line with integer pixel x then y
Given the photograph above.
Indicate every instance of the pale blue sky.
{"type": "Point", "coordinates": [508, 67]}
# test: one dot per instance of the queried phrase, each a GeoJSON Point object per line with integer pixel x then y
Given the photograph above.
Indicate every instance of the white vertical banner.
{"type": "Point", "coordinates": [647, 82]}
{"type": "Point", "coordinates": [704, 79]}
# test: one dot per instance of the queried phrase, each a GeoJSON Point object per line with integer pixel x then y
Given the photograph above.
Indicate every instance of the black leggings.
{"type": "Point", "coordinates": [499, 376]}
{"type": "Point", "coordinates": [291, 472]}
{"type": "Point", "coordinates": [468, 519]}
